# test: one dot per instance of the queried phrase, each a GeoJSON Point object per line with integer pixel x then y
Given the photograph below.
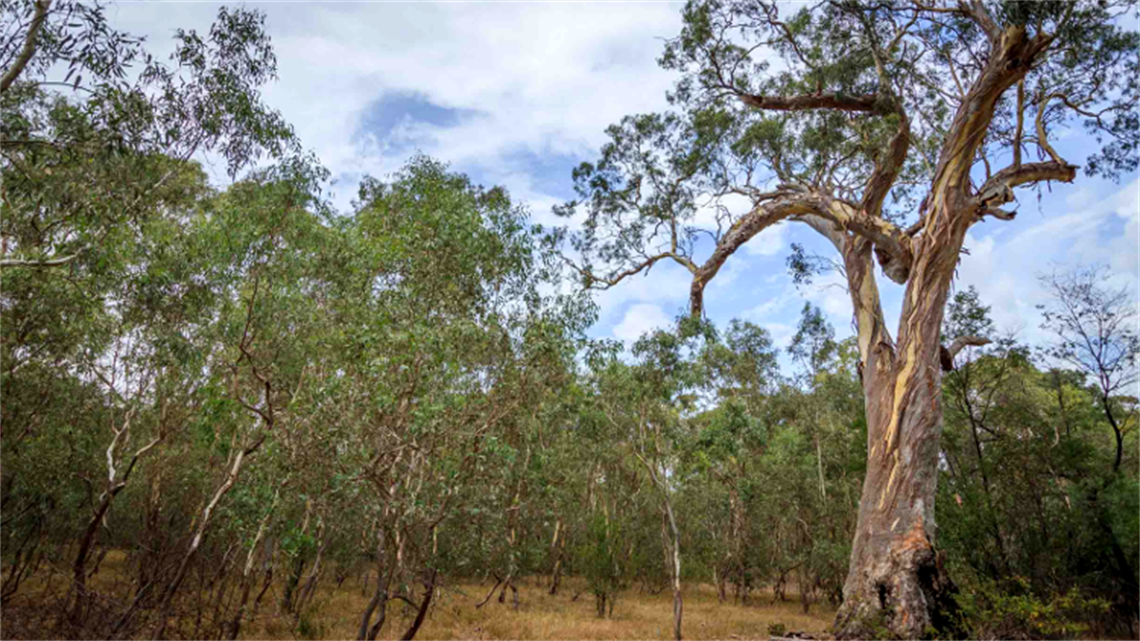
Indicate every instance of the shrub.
{"type": "Point", "coordinates": [1007, 610]}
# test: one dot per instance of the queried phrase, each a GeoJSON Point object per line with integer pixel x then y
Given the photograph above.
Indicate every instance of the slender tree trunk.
{"type": "Point", "coordinates": [380, 597]}
{"type": "Point", "coordinates": [267, 569]}
{"type": "Point", "coordinates": [79, 567]}
{"type": "Point", "coordinates": [291, 582]}
{"type": "Point", "coordinates": [557, 546]}
{"type": "Point", "coordinates": [155, 538]}
{"type": "Point", "coordinates": [673, 559]}
{"type": "Point", "coordinates": [429, 590]}
{"type": "Point", "coordinates": [819, 464]}
{"type": "Point", "coordinates": [247, 573]}
{"type": "Point", "coordinates": [196, 542]}
{"type": "Point", "coordinates": [311, 583]}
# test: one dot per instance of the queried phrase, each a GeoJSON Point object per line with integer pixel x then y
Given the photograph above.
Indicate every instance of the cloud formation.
{"type": "Point", "coordinates": [518, 94]}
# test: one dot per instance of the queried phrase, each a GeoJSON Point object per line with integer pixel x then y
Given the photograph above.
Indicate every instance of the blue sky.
{"type": "Point", "coordinates": [518, 94]}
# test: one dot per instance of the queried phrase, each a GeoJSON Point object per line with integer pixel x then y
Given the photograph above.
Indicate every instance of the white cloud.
{"type": "Point", "coordinates": [1089, 232]}
{"type": "Point", "coordinates": [829, 292]}
{"type": "Point", "coordinates": [769, 242]}
{"type": "Point", "coordinates": [640, 319]}
{"type": "Point", "coordinates": [781, 334]}
{"type": "Point", "coordinates": [546, 79]}
{"type": "Point", "coordinates": [667, 284]}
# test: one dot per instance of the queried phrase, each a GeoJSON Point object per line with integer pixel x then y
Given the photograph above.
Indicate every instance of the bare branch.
{"type": "Point", "coordinates": [593, 280]}
{"type": "Point", "coordinates": [979, 14]}
{"type": "Point", "coordinates": [870, 103]}
{"type": "Point", "coordinates": [963, 342]}
{"type": "Point", "coordinates": [29, 48]}
{"type": "Point", "coordinates": [37, 264]}
{"type": "Point", "coordinates": [887, 170]}
{"type": "Point", "coordinates": [1020, 122]}
{"type": "Point", "coordinates": [830, 216]}
{"type": "Point", "coordinates": [998, 190]}
{"type": "Point", "coordinates": [894, 248]}
{"type": "Point", "coordinates": [760, 218]}
{"type": "Point", "coordinates": [1042, 138]}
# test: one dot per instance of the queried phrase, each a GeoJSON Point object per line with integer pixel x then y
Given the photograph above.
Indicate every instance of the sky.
{"type": "Point", "coordinates": [518, 94]}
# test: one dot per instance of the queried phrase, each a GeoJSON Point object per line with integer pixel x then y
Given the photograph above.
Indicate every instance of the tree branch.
{"type": "Point", "coordinates": [788, 203]}
{"type": "Point", "coordinates": [893, 246]}
{"type": "Point", "coordinates": [51, 262]}
{"type": "Point", "coordinates": [947, 354]}
{"type": "Point", "coordinates": [886, 171]}
{"type": "Point", "coordinates": [998, 190]}
{"type": "Point", "coordinates": [1042, 137]}
{"type": "Point", "coordinates": [870, 103]}
{"type": "Point", "coordinates": [979, 14]}
{"type": "Point", "coordinates": [593, 279]}
{"type": "Point", "coordinates": [29, 48]}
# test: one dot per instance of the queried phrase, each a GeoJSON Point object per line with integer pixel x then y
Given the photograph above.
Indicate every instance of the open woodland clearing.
{"type": "Point", "coordinates": [333, 612]}
{"type": "Point", "coordinates": [785, 327]}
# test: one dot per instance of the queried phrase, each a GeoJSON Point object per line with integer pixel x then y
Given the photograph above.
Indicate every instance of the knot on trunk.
{"type": "Point", "coordinates": [895, 269]}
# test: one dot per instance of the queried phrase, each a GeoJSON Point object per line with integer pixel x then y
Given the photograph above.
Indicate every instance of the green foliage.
{"type": "Point", "coordinates": [402, 387]}
{"type": "Point", "coordinates": [600, 558]}
{"type": "Point", "coordinates": [1007, 610]}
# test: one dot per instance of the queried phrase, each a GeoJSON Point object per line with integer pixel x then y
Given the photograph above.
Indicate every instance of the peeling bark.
{"type": "Point", "coordinates": [896, 579]}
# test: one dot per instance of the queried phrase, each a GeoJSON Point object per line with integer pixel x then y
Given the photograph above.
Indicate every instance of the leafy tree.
{"type": "Point", "coordinates": [1095, 326]}
{"type": "Point", "coordinates": [873, 109]}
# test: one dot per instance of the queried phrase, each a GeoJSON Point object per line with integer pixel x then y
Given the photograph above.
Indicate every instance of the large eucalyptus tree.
{"type": "Point", "coordinates": [890, 129]}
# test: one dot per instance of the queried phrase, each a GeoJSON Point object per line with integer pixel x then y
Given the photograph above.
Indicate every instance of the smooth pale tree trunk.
{"type": "Point", "coordinates": [675, 549]}
{"type": "Point", "coordinates": [557, 546]}
{"type": "Point", "coordinates": [247, 577]}
{"type": "Point", "coordinates": [670, 535]}
{"type": "Point", "coordinates": [672, 538]}
{"type": "Point", "coordinates": [114, 486]}
{"type": "Point", "coordinates": [737, 544]}
{"type": "Point", "coordinates": [199, 536]}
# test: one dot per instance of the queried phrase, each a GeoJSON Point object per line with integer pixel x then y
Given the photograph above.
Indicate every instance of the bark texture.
{"type": "Point", "coordinates": [896, 583]}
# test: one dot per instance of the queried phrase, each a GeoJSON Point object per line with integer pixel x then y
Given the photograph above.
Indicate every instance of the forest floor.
{"type": "Point", "coordinates": [334, 612]}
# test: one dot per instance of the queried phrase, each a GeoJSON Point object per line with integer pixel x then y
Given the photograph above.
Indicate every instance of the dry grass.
{"type": "Point", "coordinates": [335, 614]}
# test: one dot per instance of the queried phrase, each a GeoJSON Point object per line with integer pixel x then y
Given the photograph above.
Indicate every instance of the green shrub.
{"type": "Point", "coordinates": [1007, 610]}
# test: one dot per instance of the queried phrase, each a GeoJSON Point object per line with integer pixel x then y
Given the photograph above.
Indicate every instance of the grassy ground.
{"type": "Point", "coordinates": [335, 614]}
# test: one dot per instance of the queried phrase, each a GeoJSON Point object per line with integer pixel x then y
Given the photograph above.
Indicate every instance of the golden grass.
{"type": "Point", "coordinates": [335, 614]}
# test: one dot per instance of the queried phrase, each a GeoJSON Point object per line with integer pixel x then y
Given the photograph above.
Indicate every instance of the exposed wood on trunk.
{"type": "Point", "coordinates": [896, 577]}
